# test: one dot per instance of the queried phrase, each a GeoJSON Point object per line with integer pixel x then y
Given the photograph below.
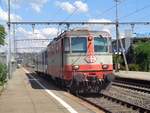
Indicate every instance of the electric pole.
{"type": "Point", "coordinates": [119, 40]}
{"type": "Point", "coordinates": [117, 37]}
{"type": "Point", "coordinates": [9, 47]}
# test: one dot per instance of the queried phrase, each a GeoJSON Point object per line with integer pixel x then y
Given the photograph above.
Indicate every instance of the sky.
{"type": "Point", "coordinates": [74, 10]}
{"type": "Point", "coordinates": [59, 10]}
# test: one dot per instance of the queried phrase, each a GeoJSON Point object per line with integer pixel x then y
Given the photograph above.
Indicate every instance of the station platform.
{"type": "Point", "coordinates": [27, 93]}
{"type": "Point", "coordinates": [133, 75]}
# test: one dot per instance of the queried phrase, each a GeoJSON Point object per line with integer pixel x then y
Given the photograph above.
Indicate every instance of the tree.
{"type": "Point", "coordinates": [2, 35]}
{"type": "Point", "coordinates": [3, 68]}
{"type": "Point", "coordinates": [142, 53]}
{"type": "Point", "coordinates": [138, 55]}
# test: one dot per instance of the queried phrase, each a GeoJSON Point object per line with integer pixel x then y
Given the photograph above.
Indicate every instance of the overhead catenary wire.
{"type": "Point", "coordinates": [109, 9]}
{"type": "Point", "coordinates": [2, 4]}
{"type": "Point", "coordinates": [72, 13]}
{"type": "Point", "coordinates": [56, 13]}
{"type": "Point", "coordinates": [77, 22]}
{"type": "Point", "coordinates": [144, 17]}
{"type": "Point", "coordinates": [136, 11]}
{"type": "Point", "coordinates": [105, 11]}
{"type": "Point", "coordinates": [43, 39]}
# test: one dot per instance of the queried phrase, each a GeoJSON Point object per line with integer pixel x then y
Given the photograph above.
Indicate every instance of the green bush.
{"type": "Point", "coordinates": [142, 53]}
{"type": "Point", "coordinates": [134, 67]}
{"type": "Point", "coordinates": [3, 74]}
{"type": "Point", "coordinates": [138, 56]}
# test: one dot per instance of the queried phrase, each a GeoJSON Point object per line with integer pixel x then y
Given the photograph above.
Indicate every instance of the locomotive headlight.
{"type": "Point", "coordinates": [105, 66]}
{"type": "Point", "coordinates": [75, 67]}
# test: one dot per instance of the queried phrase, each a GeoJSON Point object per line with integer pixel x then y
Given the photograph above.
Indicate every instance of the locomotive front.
{"type": "Point", "coordinates": [87, 59]}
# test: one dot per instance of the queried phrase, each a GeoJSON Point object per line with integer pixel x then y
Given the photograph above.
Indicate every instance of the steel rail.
{"type": "Point", "coordinates": [132, 86]}
{"type": "Point", "coordinates": [127, 103]}
{"type": "Point", "coordinates": [117, 101]}
{"type": "Point", "coordinates": [132, 81]}
{"type": "Point", "coordinates": [94, 104]}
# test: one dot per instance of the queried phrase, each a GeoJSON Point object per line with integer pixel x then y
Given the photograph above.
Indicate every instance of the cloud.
{"type": "Point", "coordinates": [21, 30]}
{"type": "Point", "coordinates": [82, 7]}
{"type": "Point", "coordinates": [66, 6]}
{"type": "Point", "coordinates": [4, 16]}
{"type": "Point", "coordinates": [79, 6]}
{"type": "Point", "coordinates": [107, 28]}
{"type": "Point", "coordinates": [43, 33]}
{"type": "Point", "coordinates": [99, 20]}
{"type": "Point", "coordinates": [49, 32]}
{"type": "Point", "coordinates": [36, 5]}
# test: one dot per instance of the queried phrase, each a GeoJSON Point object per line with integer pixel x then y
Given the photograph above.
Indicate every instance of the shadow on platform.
{"type": "Point", "coordinates": [46, 81]}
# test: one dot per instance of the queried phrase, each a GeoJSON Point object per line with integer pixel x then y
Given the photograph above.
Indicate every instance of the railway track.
{"type": "Point", "coordinates": [109, 104]}
{"type": "Point", "coordinates": [112, 104]}
{"type": "Point", "coordinates": [133, 82]}
{"type": "Point", "coordinates": [122, 98]}
{"type": "Point", "coordinates": [137, 87]}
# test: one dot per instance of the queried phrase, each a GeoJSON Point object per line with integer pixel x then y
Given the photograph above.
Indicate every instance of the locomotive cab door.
{"type": "Point", "coordinates": [65, 45]}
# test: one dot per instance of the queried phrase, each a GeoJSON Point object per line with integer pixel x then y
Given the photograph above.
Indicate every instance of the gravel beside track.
{"type": "Point", "coordinates": [122, 97]}
{"type": "Point", "coordinates": [109, 105]}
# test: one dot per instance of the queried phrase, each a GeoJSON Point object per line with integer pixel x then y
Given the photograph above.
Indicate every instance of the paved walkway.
{"type": "Point", "coordinates": [134, 75]}
{"type": "Point", "coordinates": [24, 95]}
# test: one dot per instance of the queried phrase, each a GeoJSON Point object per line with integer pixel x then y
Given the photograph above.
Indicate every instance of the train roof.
{"type": "Point", "coordinates": [81, 32]}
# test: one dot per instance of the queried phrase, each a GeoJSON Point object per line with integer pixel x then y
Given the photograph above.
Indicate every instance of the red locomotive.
{"type": "Point", "coordinates": [78, 59]}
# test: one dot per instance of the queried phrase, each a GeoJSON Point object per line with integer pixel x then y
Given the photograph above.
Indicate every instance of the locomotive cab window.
{"type": "Point", "coordinates": [100, 44]}
{"type": "Point", "coordinates": [79, 44]}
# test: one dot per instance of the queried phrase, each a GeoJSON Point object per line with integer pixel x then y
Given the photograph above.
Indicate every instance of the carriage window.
{"type": "Point", "coordinates": [100, 44]}
{"type": "Point", "coordinates": [79, 44]}
{"type": "Point", "coordinates": [66, 45]}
